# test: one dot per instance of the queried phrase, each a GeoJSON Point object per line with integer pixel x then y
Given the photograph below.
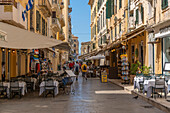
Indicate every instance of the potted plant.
{"type": "Point", "coordinates": [133, 70]}
{"type": "Point", "coordinates": [145, 70]}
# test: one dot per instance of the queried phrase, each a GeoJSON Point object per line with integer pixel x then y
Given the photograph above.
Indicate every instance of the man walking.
{"type": "Point", "coordinates": [84, 70]}
{"type": "Point", "coordinates": [76, 70]}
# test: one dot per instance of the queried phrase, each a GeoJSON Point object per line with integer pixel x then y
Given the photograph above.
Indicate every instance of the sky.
{"type": "Point", "coordinates": [80, 20]}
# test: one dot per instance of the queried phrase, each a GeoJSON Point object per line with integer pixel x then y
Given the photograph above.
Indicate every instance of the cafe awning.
{"type": "Point", "coordinates": [17, 38]}
{"type": "Point", "coordinates": [97, 57]}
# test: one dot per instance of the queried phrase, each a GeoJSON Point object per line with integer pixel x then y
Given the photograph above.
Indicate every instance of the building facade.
{"type": "Point", "coordinates": [75, 46]}
{"type": "Point", "coordinates": [45, 18]}
{"type": "Point", "coordinates": [137, 29]}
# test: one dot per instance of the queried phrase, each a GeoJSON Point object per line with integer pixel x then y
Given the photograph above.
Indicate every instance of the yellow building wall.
{"type": "Point", "coordinates": [136, 41]}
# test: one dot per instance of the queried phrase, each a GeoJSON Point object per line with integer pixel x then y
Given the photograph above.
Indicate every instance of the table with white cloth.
{"type": "Point", "coordinates": [42, 87]}
{"type": "Point", "coordinates": [168, 85]}
{"type": "Point", "coordinates": [34, 80]}
{"type": "Point", "coordinates": [148, 84]}
{"type": "Point", "coordinates": [22, 85]}
{"type": "Point", "coordinates": [136, 82]}
{"type": "Point", "coordinates": [73, 76]}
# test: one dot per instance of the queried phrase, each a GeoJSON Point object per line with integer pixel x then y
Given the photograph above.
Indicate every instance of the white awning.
{"type": "Point", "coordinates": [162, 35]}
{"type": "Point", "coordinates": [97, 57]}
{"type": "Point", "coordinates": [17, 38]}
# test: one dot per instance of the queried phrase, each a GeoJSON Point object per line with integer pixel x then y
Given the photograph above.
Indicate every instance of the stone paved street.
{"type": "Point", "coordinates": [91, 97]}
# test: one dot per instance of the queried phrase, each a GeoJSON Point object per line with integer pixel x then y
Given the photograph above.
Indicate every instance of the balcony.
{"type": "Point", "coordinates": [45, 7]}
{"type": "Point", "coordinates": [12, 15]}
{"type": "Point", "coordinates": [69, 9]}
{"type": "Point", "coordinates": [62, 21]}
{"type": "Point", "coordinates": [61, 36]}
{"type": "Point", "coordinates": [56, 6]}
{"type": "Point", "coordinates": [56, 27]}
{"type": "Point", "coordinates": [8, 2]}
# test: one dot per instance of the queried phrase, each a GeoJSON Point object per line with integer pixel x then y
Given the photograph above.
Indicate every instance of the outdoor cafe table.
{"type": "Point", "coordinates": [22, 84]}
{"type": "Point", "coordinates": [148, 84]}
{"type": "Point", "coordinates": [34, 80]}
{"type": "Point", "coordinates": [42, 87]}
{"type": "Point", "coordinates": [136, 82]}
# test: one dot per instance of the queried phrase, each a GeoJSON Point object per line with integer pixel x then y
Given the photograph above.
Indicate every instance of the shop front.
{"type": "Point", "coordinates": [164, 38]}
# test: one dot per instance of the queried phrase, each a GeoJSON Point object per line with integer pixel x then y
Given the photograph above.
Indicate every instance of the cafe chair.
{"type": "Point", "coordinates": [159, 87]}
{"type": "Point", "coordinates": [3, 90]}
{"type": "Point", "coordinates": [29, 83]}
{"type": "Point", "coordinates": [15, 89]}
{"type": "Point", "coordinates": [49, 88]}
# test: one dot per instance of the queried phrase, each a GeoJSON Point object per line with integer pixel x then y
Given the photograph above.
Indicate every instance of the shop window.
{"type": "Point", "coordinates": [53, 14]}
{"type": "Point", "coordinates": [74, 45]}
{"type": "Point", "coordinates": [164, 4]}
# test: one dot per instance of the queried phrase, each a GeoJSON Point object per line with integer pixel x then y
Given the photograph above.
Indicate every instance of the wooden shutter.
{"type": "Point", "coordinates": [164, 4]}
{"type": "Point", "coordinates": [108, 9]}
{"type": "Point", "coordinates": [137, 16]}
{"type": "Point", "coordinates": [37, 20]}
{"type": "Point", "coordinates": [120, 4]}
{"type": "Point", "coordinates": [142, 13]}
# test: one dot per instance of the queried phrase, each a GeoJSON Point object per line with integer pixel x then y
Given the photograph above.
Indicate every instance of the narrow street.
{"type": "Point", "coordinates": [91, 97]}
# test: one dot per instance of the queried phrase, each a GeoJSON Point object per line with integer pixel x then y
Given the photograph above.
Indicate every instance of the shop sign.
{"type": "Point", "coordinates": [8, 8]}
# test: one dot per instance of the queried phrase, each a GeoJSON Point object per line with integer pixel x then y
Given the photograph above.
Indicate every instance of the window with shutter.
{"type": "Point", "coordinates": [164, 4]}
{"type": "Point", "coordinates": [142, 14]}
{"type": "Point", "coordinates": [137, 16]}
{"type": "Point", "coordinates": [120, 4]}
{"type": "Point", "coordinates": [119, 27]}
{"type": "Point", "coordinates": [112, 7]}
{"type": "Point", "coordinates": [115, 31]}
{"type": "Point", "coordinates": [108, 9]}
{"type": "Point", "coordinates": [37, 20]}
{"type": "Point", "coordinates": [46, 28]}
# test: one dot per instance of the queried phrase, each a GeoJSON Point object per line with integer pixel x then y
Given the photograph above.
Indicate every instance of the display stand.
{"type": "Point", "coordinates": [124, 69]}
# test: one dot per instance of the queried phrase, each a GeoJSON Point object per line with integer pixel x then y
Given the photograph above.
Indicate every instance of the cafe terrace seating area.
{"type": "Point", "coordinates": [47, 84]}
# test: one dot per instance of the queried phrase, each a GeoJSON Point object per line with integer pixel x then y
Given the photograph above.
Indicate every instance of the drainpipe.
{"type": "Point", "coordinates": [128, 15]}
{"type": "Point", "coordinates": [162, 54]}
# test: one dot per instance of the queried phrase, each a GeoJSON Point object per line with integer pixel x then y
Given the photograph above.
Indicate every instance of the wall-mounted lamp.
{"type": "Point", "coordinates": [13, 51]}
{"type": "Point", "coordinates": [3, 49]}
{"type": "Point", "coordinates": [9, 50]}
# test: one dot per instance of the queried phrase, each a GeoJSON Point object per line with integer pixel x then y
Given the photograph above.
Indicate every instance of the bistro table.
{"type": "Point", "coordinates": [22, 84]}
{"type": "Point", "coordinates": [42, 87]}
{"type": "Point", "coordinates": [148, 84]}
{"type": "Point", "coordinates": [136, 82]}
{"type": "Point", "coordinates": [34, 80]}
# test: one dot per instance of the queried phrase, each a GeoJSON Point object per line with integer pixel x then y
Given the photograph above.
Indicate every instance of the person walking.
{"type": "Point", "coordinates": [84, 70]}
{"type": "Point", "coordinates": [3, 71]}
{"type": "Point", "coordinates": [76, 70]}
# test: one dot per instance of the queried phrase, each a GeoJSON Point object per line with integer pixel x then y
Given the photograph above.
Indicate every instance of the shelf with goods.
{"type": "Point", "coordinates": [124, 69]}
{"type": "Point", "coordinates": [119, 64]}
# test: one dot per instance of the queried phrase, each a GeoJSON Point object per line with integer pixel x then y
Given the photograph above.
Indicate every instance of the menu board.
{"type": "Point", "coordinates": [167, 66]}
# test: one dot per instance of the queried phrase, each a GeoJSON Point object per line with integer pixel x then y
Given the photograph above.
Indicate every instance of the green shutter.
{"type": "Point", "coordinates": [142, 14]}
{"type": "Point", "coordinates": [120, 4]}
{"type": "Point", "coordinates": [108, 9]}
{"type": "Point", "coordinates": [137, 16]}
{"type": "Point", "coordinates": [115, 31]}
{"type": "Point", "coordinates": [112, 7]}
{"type": "Point", "coordinates": [164, 4]}
{"type": "Point", "coordinates": [37, 20]}
{"type": "Point", "coordinates": [119, 27]}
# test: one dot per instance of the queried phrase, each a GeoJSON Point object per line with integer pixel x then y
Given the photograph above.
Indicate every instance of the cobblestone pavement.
{"type": "Point", "coordinates": [91, 97]}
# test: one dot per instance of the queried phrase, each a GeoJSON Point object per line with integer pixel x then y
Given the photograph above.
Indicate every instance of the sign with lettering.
{"type": "Point", "coordinates": [8, 8]}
